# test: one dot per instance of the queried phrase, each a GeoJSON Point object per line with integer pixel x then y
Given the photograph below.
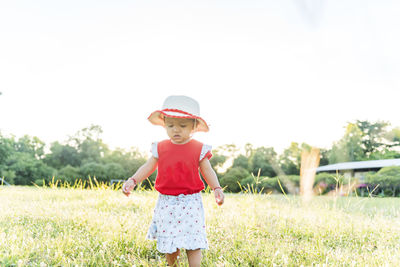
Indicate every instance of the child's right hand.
{"type": "Point", "coordinates": [128, 186]}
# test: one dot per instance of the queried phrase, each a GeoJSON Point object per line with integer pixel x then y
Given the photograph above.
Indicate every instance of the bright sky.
{"type": "Point", "coordinates": [264, 72]}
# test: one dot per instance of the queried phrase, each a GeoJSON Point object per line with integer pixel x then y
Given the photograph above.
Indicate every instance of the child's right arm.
{"type": "Point", "coordinates": [142, 173]}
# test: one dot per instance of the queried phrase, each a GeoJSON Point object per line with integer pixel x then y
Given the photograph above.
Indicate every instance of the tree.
{"type": "Point", "coordinates": [130, 160]}
{"type": "Point", "coordinates": [20, 161]}
{"type": "Point", "coordinates": [384, 154]}
{"type": "Point", "coordinates": [249, 149]}
{"type": "Point", "coordinates": [7, 146]}
{"type": "Point", "coordinates": [89, 144]}
{"type": "Point", "coordinates": [373, 136]}
{"type": "Point", "coordinates": [364, 140]}
{"type": "Point", "coordinates": [217, 160]}
{"type": "Point", "coordinates": [31, 145]}
{"type": "Point", "coordinates": [349, 148]}
{"type": "Point", "coordinates": [290, 159]}
{"type": "Point", "coordinates": [393, 137]}
{"type": "Point", "coordinates": [324, 157]}
{"type": "Point", "coordinates": [242, 162]}
{"type": "Point", "coordinates": [27, 168]}
{"type": "Point", "coordinates": [221, 154]}
{"type": "Point", "coordinates": [93, 169]}
{"type": "Point", "coordinates": [386, 144]}
{"type": "Point", "coordinates": [62, 156]}
{"type": "Point", "coordinates": [229, 150]}
{"type": "Point", "coordinates": [265, 159]}
{"type": "Point", "coordinates": [92, 132]}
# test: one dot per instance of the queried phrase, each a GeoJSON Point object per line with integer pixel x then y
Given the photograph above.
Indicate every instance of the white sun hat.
{"type": "Point", "coordinates": [179, 106]}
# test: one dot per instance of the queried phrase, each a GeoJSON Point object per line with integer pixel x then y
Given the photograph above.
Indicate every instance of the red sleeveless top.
{"type": "Point", "coordinates": [178, 168]}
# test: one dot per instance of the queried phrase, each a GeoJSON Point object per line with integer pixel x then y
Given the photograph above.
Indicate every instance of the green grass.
{"type": "Point", "coordinates": [102, 227]}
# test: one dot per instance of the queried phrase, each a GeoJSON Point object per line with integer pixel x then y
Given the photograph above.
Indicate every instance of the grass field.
{"type": "Point", "coordinates": [75, 227]}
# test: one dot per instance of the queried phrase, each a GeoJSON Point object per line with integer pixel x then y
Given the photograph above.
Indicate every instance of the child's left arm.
{"type": "Point", "coordinates": [212, 180]}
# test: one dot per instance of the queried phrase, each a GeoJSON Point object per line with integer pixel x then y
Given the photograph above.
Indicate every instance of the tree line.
{"type": "Point", "coordinates": [24, 161]}
{"type": "Point", "coordinates": [362, 140]}
{"type": "Point", "coordinates": [28, 160]}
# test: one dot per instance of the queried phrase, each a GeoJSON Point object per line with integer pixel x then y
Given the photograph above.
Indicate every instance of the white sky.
{"type": "Point", "coordinates": [264, 72]}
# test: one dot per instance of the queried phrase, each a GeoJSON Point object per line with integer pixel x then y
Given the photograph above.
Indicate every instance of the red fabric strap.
{"type": "Point", "coordinates": [179, 111]}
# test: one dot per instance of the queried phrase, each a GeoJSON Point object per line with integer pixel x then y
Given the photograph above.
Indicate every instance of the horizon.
{"type": "Point", "coordinates": [146, 151]}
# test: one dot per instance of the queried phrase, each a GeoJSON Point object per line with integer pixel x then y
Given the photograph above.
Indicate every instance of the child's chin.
{"type": "Point", "coordinates": [179, 140]}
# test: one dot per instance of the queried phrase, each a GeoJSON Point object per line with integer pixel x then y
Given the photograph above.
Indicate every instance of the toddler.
{"type": "Point", "coordinates": [178, 219]}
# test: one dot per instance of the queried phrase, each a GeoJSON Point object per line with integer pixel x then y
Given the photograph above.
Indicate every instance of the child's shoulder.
{"type": "Point", "coordinates": [196, 142]}
{"type": "Point", "coordinates": [162, 142]}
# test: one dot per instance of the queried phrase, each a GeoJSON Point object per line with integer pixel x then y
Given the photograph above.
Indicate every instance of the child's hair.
{"type": "Point", "coordinates": [193, 120]}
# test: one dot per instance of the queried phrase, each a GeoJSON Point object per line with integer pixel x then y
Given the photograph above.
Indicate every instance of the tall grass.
{"type": "Point", "coordinates": [70, 225]}
{"type": "Point", "coordinates": [90, 183]}
{"type": "Point", "coordinates": [253, 187]}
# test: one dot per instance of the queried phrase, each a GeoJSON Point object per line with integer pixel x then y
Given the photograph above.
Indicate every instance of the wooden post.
{"type": "Point", "coordinates": [309, 163]}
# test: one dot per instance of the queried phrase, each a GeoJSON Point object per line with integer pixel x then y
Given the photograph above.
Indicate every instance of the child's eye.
{"type": "Point", "coordinates": [183, 126]}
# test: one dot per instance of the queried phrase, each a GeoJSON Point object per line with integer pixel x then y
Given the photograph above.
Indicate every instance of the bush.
{"type": "Point", "coordinates": [8, 176]}
{"type": "Point", "coordinates": [93, 169]}
{"type": "Point", "coordinates": [69, 174]}
{"type": "Point", "coordinates": [270, 185]}
{"type": "Point", "coordinates": [388, 179]}
{"type": "Point", "coordinates": [114, 171]}
{"type": "Point", "coordinates": [26, 169]}
{"type": "Point", "coordinates": [295, 179]}
{"type": "Point", "coordinates": [40, 182]}
{"type": "Point", "coordinates": [249, 180]}
{"type": "Point", "coordinates": [232, 177]}
{"type": "Point", "coordinates": [290, 184]}
{"type": "Point", "coordinates": [328, 180]}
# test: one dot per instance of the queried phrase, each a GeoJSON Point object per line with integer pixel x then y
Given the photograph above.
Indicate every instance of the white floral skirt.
{"type": "Point", "coordinates": [178, 222]}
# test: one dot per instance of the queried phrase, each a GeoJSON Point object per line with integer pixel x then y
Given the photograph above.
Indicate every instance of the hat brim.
{"type": "Point", "coordinates": [157, 118]}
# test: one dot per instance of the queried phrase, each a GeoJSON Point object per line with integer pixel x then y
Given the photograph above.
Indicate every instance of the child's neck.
{"type": "Point", "coordinates": [185, 142]}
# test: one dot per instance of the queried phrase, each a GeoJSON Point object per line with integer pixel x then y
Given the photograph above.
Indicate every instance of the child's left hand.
{"type": "Point", "coordinates": [219, 196]}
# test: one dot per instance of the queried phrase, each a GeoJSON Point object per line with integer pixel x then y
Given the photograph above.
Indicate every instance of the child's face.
{"type": "Point", "coordinates": [179, 130]}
